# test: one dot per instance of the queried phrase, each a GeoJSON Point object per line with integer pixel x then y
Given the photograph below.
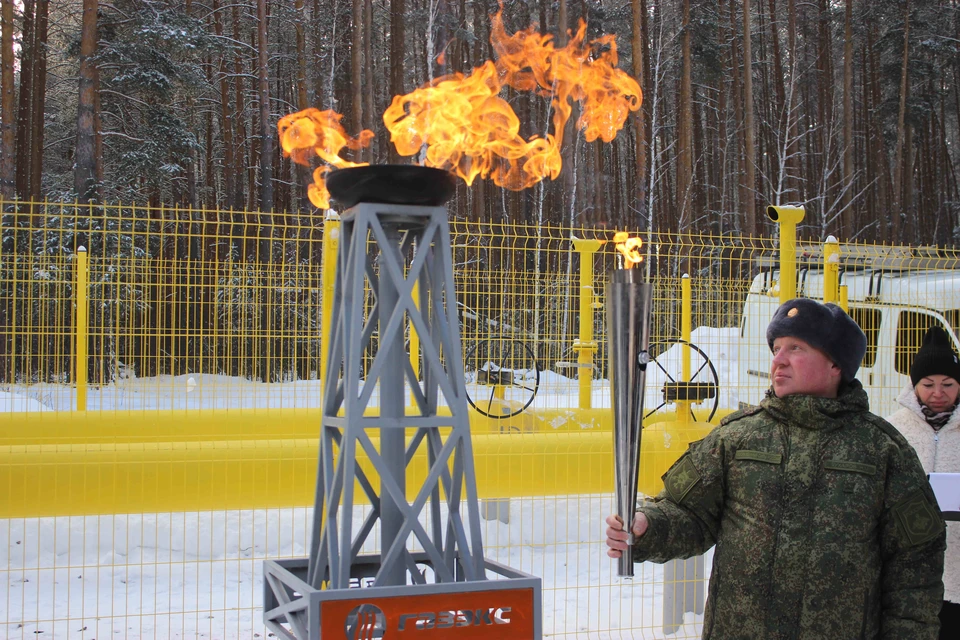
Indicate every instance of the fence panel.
{"type": "Point", "coordinates": [149, 514]}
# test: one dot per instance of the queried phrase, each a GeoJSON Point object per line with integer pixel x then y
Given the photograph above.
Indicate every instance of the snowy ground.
{"type": "Point", "coordinates": [198, 575]}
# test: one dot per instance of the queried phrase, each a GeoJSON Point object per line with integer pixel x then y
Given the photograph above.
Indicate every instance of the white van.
{"type": "Point", "coordinates": [894, 299]}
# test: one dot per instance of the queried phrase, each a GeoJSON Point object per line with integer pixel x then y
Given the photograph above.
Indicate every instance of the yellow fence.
{"type": "Point", "coordinates": [159, 400]}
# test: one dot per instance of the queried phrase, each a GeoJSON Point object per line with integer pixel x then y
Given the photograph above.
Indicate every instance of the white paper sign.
{"type": "Point", "coordinates": [946, 487]}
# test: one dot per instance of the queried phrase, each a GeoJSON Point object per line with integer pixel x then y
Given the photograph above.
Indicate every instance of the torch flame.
{"type": "Point", "coordinates": [312, 132]}
{"type": "Point", "coordinates": [461, 124]}
{"type": "Point", "coordinates": [629, 248]}
{"type": "Point", "coordinates": [468, 129]}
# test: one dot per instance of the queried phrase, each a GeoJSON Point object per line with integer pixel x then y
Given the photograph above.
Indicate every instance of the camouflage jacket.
{"type": "Point", "coordinates": [824, 523]}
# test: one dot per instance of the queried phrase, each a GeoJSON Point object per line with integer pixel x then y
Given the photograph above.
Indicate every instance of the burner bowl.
{"type": "Point", "coordinates": [391, 184]}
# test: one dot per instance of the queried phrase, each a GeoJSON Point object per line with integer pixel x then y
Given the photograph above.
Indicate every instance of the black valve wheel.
{"type": "Point", "coordinates": [703, 385]}
{"type": "Point", "coordinates": [504, 363]}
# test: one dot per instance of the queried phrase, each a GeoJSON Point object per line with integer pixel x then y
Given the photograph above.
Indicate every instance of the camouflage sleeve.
{"type": "Point", "coordinates": [912, 544]}
{"type": "Point", "coordinates": [684, 518]}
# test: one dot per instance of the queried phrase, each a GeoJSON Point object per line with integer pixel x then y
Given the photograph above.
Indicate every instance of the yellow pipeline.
{"type": "Point", "coordinates": [666, 436]}
{"type": "Point", "coordinates": [686, 330]}
{"type": "Point", "coordinates": [330, 249]}
{"type": "Point", "coordinates": [787, 218]}
{"type": "Point", "coordinates": [86, 479]}
{"type": "Point", "coordinates": [97, 463]}
{"type": "Point", "coordinates": [831, 270]}
{"type": "Point", "coordinates": [81, 324]}
{"type": "Point", "coordinates": [585, 345]}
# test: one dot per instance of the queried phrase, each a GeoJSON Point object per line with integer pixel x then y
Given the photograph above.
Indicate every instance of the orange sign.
{"type": "Point", "coordinates": [474, 615]}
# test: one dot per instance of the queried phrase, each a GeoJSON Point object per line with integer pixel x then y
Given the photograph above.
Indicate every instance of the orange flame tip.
{"type": "Point", "coordinates": [629, 247]}
{"type": "Point", "coordinates": [313, 133]}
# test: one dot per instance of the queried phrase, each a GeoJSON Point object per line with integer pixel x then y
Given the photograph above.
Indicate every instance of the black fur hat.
{"type": "Point", "coordinates": [823, 326]}
{"type": "Point", "coordinates": [935, 357]}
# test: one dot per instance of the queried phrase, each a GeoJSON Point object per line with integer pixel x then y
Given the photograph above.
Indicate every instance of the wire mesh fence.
{"type": "Point", "coordinates": [197, 318]}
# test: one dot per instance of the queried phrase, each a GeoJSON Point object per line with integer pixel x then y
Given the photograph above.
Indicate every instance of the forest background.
{"type": "Point", "coordinates": [848, 106]}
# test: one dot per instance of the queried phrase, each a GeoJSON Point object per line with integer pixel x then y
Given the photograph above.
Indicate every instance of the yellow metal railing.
{"type": "Point", "coordinates": [174, 367]}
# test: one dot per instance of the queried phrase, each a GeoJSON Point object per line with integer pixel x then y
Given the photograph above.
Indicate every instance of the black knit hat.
{"type": "Point", "coordinates": [823, 326]}
{"type": "Point", "coordinates": [935, 357]}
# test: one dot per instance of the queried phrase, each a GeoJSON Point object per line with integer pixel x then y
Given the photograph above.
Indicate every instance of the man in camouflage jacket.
{"type": "Point", "coordinates": [824, 522]}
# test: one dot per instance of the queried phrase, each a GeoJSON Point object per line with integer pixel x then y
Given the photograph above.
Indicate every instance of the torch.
{"type": "Point", "coordinates": [628, 302]}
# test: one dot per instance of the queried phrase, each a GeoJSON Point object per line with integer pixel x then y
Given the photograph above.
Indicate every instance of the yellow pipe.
{"type": "Point", "coordinates": [788, 218]}
{"type": "Point", "coordinates": [144, 462]}
{"type": "Point", "coordinates": [686, 324]}
{"type": "Point", "coordinates": [843, 298]}
{"type": "Point", "coordinates": [831, 270]}
{"type": "Point", "coordinates": [686, 330]}
{"type": "Point", "coordinates": [82, 324]}
{"type": "Point", "coordinates": [330, 249]}
{"type": "Point", "coordinates": [585, 345]}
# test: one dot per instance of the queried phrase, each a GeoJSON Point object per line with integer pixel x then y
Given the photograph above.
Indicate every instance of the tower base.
{"type": "Point", "coordinates": [507, 604]}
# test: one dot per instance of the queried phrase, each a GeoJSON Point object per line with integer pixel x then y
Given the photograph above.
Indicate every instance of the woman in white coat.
{"type": "Point", "coordinates": [930, 421]}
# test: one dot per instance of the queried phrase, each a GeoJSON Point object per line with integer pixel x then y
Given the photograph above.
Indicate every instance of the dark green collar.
{"type": "Point", "coordinates": [814, 412]}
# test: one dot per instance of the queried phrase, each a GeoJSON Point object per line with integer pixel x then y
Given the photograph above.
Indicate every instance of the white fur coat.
{"type": "Point", "coordinates": [938, 452]}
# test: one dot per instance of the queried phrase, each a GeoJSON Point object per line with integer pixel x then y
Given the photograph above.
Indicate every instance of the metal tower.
{"type": "Point", "coordinates": [401, 256]}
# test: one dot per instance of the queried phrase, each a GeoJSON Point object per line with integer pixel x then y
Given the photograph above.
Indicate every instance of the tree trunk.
{"type": "Point", "coordinates": [356, 73]}
{"type": "Point", "coordinates": [793, 182]}
{"type": "Point", "coordinates": [266, 124]}
{"type": "Point", "coordinates": [24, 109]}
{"type": "Point", "coordinates": [397, 16]}
{"type": "Point", "coordinates": [301, 173]}
{"type": "Point", "coordinates": [736, 81]}
{"type": "Point", "coordinates": [239, 158]}
{"type": "Point", "coordinates": [638, 8]}
{"type": "Point", "coordinates": [85, 161]}
{"type": "Point", "coordinates": [898, 164]}
{"type": "Point", "coordinates": [848, 225]}
{"type": "Point", "coordinates": [369, 106]}
{"type": "Point", "coordinates": [226, 115]}
{"type": "Point", "coordinates": [749, 203]}
{"type": "Point", "coordinates": [7, 131]}
{"type": "Point", "coordinates": [684, 129]}
{"type": "Point", "coordinates": [39, 99]}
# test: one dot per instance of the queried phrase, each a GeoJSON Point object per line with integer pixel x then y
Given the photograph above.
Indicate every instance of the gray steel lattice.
{"type": "Point", "coordinates": [385, 251]}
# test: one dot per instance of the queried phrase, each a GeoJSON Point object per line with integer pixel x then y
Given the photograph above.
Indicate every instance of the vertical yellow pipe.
{"type": "Point", "coordinates": [82, 329]}
{"type": "Point", "coordinates": [330, 248]}
{"type": "Point", "coordinates": [843, 298]}
{"type": "Point", "coordinates": [831, 270]}
{"type": "Point", "coordinates": [788, 261]}
{"type": "Point", "coordinates": [686, 329]}
{"type": "Point", "coordinates": [787, 218]}
{"type": "Point", "coordinates": [686, 324]}
{"type": "Point", "coordinates": [585, 345]}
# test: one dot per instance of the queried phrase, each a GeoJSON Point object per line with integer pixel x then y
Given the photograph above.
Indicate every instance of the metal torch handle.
{"type": "Point", "coordinates": [628, 302]}
{"type": "Point", "coordinates": [625, 563]}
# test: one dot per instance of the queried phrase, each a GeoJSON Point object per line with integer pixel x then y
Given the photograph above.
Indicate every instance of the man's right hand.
{"type": "Point", "coordinates": [617, 537]}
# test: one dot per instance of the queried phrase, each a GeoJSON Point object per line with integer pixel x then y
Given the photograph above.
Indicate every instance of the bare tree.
{"type": "Point", "coordinates": [848, 221]}
{"type": "Point", "coordinates": [85, 160]}
{"type": "Point", "coordinates": [749, 149]}
{"type": "Point", "coordinates": [267, 126]}
{"type": "Point", "coordinates": [7, 130]}
{"type": "Point", "coordinates": [899, 173]}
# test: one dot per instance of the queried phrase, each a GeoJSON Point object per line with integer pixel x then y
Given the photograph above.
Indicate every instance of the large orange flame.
{"type": "Point", "coordinates": [469, 130]}
{"type": "Point", "coordinates": [629, 247]}
{"type": "Point", "coordinates": [461, 124]}
{"type": "Point", "coordinates": [312, 132]}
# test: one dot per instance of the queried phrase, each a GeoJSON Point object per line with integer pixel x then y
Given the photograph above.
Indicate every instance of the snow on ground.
{"type": "Point", "coordinates": [12, 402]}
{"type": "Point", "coordinates": [199, 575]}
